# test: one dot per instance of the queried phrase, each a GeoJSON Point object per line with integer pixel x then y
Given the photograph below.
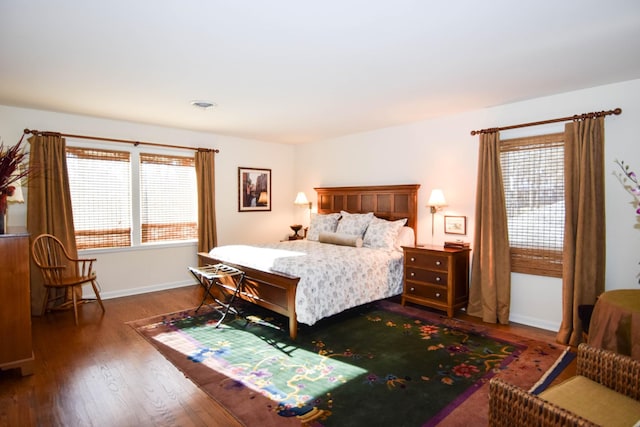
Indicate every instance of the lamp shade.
{"type": "Point", "coordinates": [301, 199]}
{"type": "Point", "coordinates": [17, 196]}
{"type": "Point", "coordinates": [437, 199]}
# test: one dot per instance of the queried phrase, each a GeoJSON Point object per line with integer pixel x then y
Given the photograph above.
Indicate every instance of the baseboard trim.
{"type": "Point", "coordinates": [535, 322]}
{"type": "Point", "coordinates": [88, 292]}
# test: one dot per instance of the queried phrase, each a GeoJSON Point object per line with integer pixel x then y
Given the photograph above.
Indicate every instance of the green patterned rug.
{"type": "Point", "coordinates": [377, 365]}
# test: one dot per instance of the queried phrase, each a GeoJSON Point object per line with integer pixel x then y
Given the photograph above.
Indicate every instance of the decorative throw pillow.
{"type": "Point", "coordinates": [382, 234]}
{"type": "Point", "coordinates": [320, 223]}
{"type": "Point", "coordinates": [406, 237]}
{"type": "Point", "coordinates": [340, 239]}
{"type": "Point", "coordinates": [354, 224]}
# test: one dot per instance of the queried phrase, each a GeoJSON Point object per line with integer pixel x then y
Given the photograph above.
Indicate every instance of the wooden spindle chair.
{"type": "Point", "coordinates": [61, 271]}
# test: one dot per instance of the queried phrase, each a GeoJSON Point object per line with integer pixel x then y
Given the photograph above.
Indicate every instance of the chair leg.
{"type": "Point", "coordinates": [95, 290]}
{"type": "Point", "coordinates": [75, 304]}
{"type": "Point", "coordinates": [45, 303]}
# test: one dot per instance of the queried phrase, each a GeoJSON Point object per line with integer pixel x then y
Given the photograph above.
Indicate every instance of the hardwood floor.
{"type": "Point", "coordinates": [102, 373]}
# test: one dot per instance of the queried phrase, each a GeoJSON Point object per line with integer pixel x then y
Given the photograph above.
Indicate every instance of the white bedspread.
{"type": "Point", "coordinates": [332, 278]}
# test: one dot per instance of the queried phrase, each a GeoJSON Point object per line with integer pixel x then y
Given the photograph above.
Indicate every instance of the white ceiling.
{"type": "Point", "coordinates": [295, 71]}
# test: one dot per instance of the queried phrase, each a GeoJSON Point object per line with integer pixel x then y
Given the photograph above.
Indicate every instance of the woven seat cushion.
{"type": "Point", "coordinates": [594, 402]}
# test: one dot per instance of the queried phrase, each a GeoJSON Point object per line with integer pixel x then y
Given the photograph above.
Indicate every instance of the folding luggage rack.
{"type": "Point", "coordinates": [213, 275]}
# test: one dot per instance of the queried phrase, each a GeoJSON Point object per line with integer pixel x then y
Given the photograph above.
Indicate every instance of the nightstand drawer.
{"type": "Point", "coordinates": [420, 275]}
{"type": "Point", "coordinates": [427, 260]}
{"type": "Point", "coordinates": [433, 293]}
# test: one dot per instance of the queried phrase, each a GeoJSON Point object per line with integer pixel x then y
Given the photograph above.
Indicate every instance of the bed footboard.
{"type": "Point", "coordinates": [274, 292]}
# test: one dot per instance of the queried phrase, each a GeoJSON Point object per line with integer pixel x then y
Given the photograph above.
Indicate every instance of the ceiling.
{"type": "Point", "coordinates": [295, 71]}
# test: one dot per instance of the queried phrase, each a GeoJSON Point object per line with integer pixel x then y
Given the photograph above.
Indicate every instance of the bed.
{"type": "Point", "coordinates": [279, 276]}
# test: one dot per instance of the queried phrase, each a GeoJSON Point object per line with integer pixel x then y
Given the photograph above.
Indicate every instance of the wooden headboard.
{"type": "Point", "coordinates": [385, 201]}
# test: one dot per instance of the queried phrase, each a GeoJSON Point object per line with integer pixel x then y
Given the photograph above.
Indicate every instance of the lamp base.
{"type": "Point", "coordinates": [295, 228]}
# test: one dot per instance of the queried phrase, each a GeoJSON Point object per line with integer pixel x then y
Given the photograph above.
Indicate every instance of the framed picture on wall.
{"type": "Point", "coordinates": [455, 224]}
{"type": "Point", "coordinates": [254, 189]}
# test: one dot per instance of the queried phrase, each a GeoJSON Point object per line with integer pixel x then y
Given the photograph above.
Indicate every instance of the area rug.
{"type": "Point", "coordinates": [379, 364]}
{"type": "Point", "coordinates": [560, 365]}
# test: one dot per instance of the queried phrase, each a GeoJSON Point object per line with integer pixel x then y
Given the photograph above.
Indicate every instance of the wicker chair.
{"type": "Point", "coordinates": [511, 406]}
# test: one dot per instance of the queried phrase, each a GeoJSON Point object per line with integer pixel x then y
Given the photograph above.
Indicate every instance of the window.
{"type": "Point", "coordinates": [127, 198]}
{"type": "Point", "coordinates": [100, 185]}
{"type": "Point", "coordinates": [167, 198]}
{"type": "Point", "coordinates": [533, 179]}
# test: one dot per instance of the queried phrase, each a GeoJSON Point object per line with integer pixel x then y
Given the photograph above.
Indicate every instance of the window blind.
{"type": "Point", "coordinates": [168, 198]}
{"type": "Point", "coordinates": [100, 186]}
{"type": "Point", "coordinates": [533, 179]}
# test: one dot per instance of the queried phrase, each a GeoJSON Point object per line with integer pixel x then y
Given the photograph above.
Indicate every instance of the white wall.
{"type": "Point", "coordinates": [440, 153]}
{"type": "Point", "coordinates": [437, 153]}
{"type": "Point", "coordinates": [142, 269]}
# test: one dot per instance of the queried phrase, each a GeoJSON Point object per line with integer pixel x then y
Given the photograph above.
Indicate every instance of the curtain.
{"type": "Point", "coordinates": [206, 183]}
{"type": "Point", "coordinates": [583, 271]}
{"type": "Point", "coordinates": [48, 202]}
{"type": "Point", "coordinates": [490, 291]}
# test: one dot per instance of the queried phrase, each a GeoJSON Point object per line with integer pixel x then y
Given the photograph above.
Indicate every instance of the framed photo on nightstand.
{"type": "Point", "coordinates": [455, 224]}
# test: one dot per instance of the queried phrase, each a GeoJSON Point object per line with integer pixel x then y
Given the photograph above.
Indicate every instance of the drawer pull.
{"type": "Point", "coordinates": [412, 289]}
{"type": "Point", "coordinates": [438, 262]}
{"type": "Point", "coordinates": [413, 274]}
{"type": "Point", "coordinates": [438, 279]}
{"type": "Point", "coordinates": [412, 259]}
{"type": "Point", "coordinates": [437, 294]}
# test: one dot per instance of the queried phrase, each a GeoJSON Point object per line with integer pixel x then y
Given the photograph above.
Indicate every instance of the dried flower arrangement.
{"type": "Point", "coordinates": [633, 186]}
{"type": "Point", "coordinates": [630, 182]}
{"type": "Point", "coordinates": [11, 158]}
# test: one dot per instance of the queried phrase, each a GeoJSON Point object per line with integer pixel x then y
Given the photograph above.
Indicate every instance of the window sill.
{"type": "Point", "coordinates": [143, 247]}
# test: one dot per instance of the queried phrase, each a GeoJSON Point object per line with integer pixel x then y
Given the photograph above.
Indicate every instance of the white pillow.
{"type": "Point", "coordinates": [406, 237]}
{"type": "Point", "coordinates": [382, 234]}
{"type": "Point", "coordinates": [319, 223]}
{"type": "Point", "coordinates": [340, 239]}
{"type": "Point", "coordinates": [354, 224]}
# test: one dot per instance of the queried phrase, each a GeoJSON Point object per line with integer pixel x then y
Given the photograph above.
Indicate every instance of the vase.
{"type": "Point", "coordinates": [3, 211]}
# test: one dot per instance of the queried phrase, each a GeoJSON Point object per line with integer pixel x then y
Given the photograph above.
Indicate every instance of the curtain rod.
{"type": "Point", "coordinates": [617, 111]}
{"type": "Point", "coordinates": [126, 141]}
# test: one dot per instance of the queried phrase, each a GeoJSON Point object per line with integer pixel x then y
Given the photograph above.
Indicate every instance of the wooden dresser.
{"type": "Point", "coordinates": [15, 302]}
{"type": "Point", "coordinates": [436, 277]}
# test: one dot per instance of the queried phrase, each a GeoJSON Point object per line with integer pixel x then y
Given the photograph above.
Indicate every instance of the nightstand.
{"type": "Point", "coordinates": [436, 277]}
